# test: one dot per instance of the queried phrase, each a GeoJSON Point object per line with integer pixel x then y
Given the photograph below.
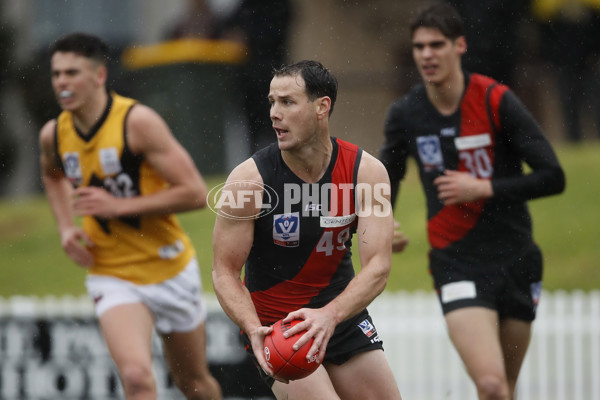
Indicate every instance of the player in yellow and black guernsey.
{"type": "Point", "coordinates": [115, 163]}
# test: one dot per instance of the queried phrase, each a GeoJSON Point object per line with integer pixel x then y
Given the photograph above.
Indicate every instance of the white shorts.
{"type": "Point", "coordinates": [176, 304]}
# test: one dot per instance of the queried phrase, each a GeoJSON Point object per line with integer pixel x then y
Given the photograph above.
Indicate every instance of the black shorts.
{"type": "Point", "coordinates": [512, 287]}
{"type": "Point", "coordinates": [351, 337]}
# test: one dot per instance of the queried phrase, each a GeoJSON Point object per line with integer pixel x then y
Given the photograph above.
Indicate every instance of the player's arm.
{"type": "Point", "coordinates": [233, 236]}
{"type": "Point", "coordinates": [59, 193]}
{"type": "Point", "coordinates": [149, 136]}
{"type": "Point", "coordinates": [374, 236]}
{"type": "Point", "coordinates": [393, 154]}
{"type": "Point", "coordinates": [527, 141]}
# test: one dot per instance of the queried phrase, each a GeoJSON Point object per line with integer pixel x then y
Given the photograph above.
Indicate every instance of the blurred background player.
{"type": "Point", "coordinates": [297, 258]}
{"type": "Point", "coordinates": [469, 136]}
{"type": "Point", "coordinates": [116, 164]}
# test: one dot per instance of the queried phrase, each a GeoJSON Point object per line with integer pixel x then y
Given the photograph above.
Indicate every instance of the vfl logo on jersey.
{"type": "Point", "coordinates": [430, 153]}
{"type": "Point", "coordinates": [73, 168]}
{"type": "Point", "coordinates": [286, 229]}
{"type": "Point", "coordinates": [109, 160]}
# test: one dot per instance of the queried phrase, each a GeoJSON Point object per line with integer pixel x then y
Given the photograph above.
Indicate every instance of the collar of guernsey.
{"type": "Point", "coordinates": [139, 249]}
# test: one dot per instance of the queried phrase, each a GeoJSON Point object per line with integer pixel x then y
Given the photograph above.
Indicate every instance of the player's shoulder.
{"type": "Point", "coordinates": [414, 99]}
{"type": "Point", "coordinates": [141, 115]}
{"type": "Point", "coordinates": [371, 169]}
{"type": "Point", "coordinates": [245, 171]}
{"type": "Point", "coordinates": [48, 131]}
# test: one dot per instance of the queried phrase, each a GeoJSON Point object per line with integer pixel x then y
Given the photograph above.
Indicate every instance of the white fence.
{"type": "Point", "coordinates": [563, 362]}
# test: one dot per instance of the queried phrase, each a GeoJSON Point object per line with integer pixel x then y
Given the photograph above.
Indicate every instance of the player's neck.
{"type": "Point", "coordinates": [310, 161]}
{"type": "Point", "coordinates": [88, 115]}
{"type": "Point", "coordinates": [446, 95]}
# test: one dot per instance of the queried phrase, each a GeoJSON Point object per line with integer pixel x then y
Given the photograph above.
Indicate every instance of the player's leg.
{"type": "Point", "coordinates": [521, 296]}
{"type": "Point", "coordinates": [476, 336]}
{"type": "Point", "coordinates": [127, 330]}
{"type": "Point", "coordinates": [514, 336]}
{"type": "Point", "coordinates": [185, 353]}
{"type": "Point", "coordinates": [365, 376]}
{"type": "Point", "coordinates": [316, 386]}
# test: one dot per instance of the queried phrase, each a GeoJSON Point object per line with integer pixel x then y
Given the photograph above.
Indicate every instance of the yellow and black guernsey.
{"type": "Point", "coordinates": [142, 249]}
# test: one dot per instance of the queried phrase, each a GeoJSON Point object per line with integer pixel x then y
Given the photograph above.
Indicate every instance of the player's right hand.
{"type": "Point", "coordinates": [257, 340]}
{"type": "Point", "coordinates": [76, 244]}
{"type": "Point", "coordinates": [399, 241]}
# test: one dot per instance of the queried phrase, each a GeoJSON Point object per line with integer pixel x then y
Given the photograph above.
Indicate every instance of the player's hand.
{"type": "Point", "coordinates": [456, 187]}
{"type": "Point", "coordinates": [318, 323]}
{"type": "Point", "coordinates": [94, 201]}
{"type": "Point", "coordinates": [76, 244]}
{"type": "Point", "coordinates": [257, 340]}
{"type": "Point", "coordinates": [399, 241]}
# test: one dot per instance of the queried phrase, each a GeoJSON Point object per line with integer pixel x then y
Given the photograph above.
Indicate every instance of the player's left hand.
{"type": "Point", "coordinates": [399, 241]}
{"type": "Point", "coordinates": [456, 187]}
{"type": "Point", "coordinates": [94, 201]}
{"type": "Point", "coordinates": [318, 323]}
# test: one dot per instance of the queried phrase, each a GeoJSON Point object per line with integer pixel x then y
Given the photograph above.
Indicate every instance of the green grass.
{"type": "Point", "coordinates": [567, 228]}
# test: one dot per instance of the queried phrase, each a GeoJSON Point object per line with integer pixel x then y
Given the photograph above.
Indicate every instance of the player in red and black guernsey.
{"type": "Point", "coordinates": [314, 193]}
{"type": "Point", "coordinates": [469, 136]}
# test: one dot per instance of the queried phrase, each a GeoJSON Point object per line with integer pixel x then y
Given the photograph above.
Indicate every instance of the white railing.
{"type": "Point", "coordinates": [563, 361]}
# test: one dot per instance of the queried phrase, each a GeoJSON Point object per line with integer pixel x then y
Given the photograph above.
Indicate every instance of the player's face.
{"type": "Point", "coordinates": [436, 56]}
{"type": "Point", "coordinates": [293, 115]}
{"type": "Point", "coordinates": [75, 79]}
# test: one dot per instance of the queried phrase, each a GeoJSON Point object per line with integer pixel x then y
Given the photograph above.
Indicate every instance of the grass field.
{"type": "Point", "coordinates": [567, 227]}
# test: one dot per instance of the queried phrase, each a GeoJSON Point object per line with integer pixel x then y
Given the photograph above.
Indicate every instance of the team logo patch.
{"type": "Point", "coordinates": [72, 167]}
{"type": "Point", "coordinates": [286, 229]}
{"type": "Point", "coordinates": [536, 293]}
{"type": "Point", "coordinates": [367, 328]}
{"type": "Point", "coordinates": [109, 160]}
{"type": "Point", "coordinates": [430, 153]}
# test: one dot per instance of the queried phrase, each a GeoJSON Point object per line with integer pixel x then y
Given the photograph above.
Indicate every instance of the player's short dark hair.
{"type": "Point", "coordinates": [83, 44]}
{"type": "Point", "coordinates": [440, 16]}
{"type": "Point", "coordinates": [318, 80]}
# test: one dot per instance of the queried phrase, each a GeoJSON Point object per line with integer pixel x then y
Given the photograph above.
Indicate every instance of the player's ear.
{"type": "Point", "coordinates": [101, 75]}
{"type": "Point", "coordinates": [323, 105]}
{"type": "Point", "coordinates": [461, 44]}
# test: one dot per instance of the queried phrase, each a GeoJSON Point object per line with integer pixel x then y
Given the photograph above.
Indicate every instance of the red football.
{"type": "Point", "coordinates": [285, 362]}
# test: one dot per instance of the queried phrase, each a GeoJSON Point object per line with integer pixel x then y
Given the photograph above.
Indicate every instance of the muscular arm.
{"type": "Point", "coordinates": [374, 237]}
{"type": "Point", "coordinates": [232, 241]}
{"type": "Point", "coordinates": [148, 135]}
{"type": "Point", "coordinates": [59, 193]}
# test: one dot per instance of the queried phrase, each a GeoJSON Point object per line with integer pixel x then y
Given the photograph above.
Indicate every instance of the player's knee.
{"type": "Point", "coordinates": [492, 387]}
{"type": "Point", "coordinates": [137, 379]}
{"type": "Point", "coordinates": [204, 388]}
